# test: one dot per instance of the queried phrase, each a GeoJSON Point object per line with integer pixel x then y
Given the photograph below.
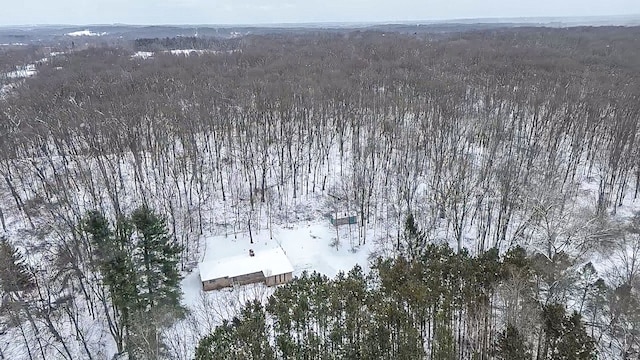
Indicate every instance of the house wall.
{"type": "Point", "coordinates": [248, 278]}
{"type": "Point", "coordinates": [252, 278]}
{"type": "Point", "coordinates": [279, 279]}
{"type": "Point", "coordinates": [216, 284]}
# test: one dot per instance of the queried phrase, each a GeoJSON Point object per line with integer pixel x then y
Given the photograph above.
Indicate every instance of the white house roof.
{"type": "Point", "coordinates": [270, 262]}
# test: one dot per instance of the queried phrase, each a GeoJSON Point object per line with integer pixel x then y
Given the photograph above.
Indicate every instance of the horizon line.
{"type": "Point", "coordinates": [465, 20]}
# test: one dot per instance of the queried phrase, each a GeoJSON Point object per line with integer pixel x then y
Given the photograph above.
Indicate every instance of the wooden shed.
{"type": "Point", "coordinates": [343, 219]}
{"type": "Point", "coordinates": [271, 267]}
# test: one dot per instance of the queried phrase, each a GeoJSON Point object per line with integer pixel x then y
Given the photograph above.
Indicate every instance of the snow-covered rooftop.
{"type": "Point", "coordinates": [270, 262]}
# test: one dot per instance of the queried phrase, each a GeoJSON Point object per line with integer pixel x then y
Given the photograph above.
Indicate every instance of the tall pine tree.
{"type": "Point", "coordinates": [15, 273]}
{"type": "Point", "coordinates": [111, 255]}
{"type": "Point", "coordinates": [157, 256]}
{"type": "Point", "coordinates": [246, 337]}
{"type": "Point", "coordinates": [512, 345]}
{"type": "Point", "coordinates": [139, 266]}
{"type": "Point", "coordinates": [575, 343]}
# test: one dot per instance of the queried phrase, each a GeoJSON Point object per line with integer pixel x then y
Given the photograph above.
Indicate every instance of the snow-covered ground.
{"type": "Point", "coordinates": [299, 228]}
{"type": "Point", "coordinates": [307, 245]}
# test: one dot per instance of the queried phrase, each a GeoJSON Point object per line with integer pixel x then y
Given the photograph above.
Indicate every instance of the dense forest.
{"type": "Point", "coordinates": [494, 175]}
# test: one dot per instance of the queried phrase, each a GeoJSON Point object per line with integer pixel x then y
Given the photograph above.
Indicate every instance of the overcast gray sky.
{"type": "Point", "coordinates": [21, 12]}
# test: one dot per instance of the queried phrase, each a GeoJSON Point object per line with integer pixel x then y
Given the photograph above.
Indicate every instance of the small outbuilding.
{"type": "Point", "coordinates": [271, 267]}
{"type": "Point", "coordinates": [343, 219]}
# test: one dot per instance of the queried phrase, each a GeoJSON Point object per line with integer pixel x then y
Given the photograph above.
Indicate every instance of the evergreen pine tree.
{"type": "Point", "coordinates": [252, 333]}
{"type": "Point", "coordinates": [575, 343]}
{"type": "Point", "coordinates": [279, 307]}
{"type": "Point", "coordinates": [157, 257]}
{"type": "Point", "coordinates": [112, 258]}
{"type": "Point", "coordinates": [219, 345]}
{"type": "Point", "coordinates": [565, 336]}
{"type": "Point", "coordinates": [244, 338]}
{"type": "Point", "coordinates": [444, 343]}
{"type": "Point", "coordinates": [552, 322]}
{"type": "Point", "coordinates": [414, 239]}
{"type": "Point", "coordinates": [15, 274]}
{"type": "Point", "coordinates": [156, 262]}
{"type": "Point", "coordinates": [140, 273]}
{"type": "Point", "coordinates": [512, 345]}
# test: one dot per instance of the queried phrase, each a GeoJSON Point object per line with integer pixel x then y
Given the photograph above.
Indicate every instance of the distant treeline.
{"type": "Point", "coordinates": [184, 42]}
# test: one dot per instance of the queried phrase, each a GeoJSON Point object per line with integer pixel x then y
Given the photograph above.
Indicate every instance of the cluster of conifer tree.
{"type": "Point", "coordinates": [128, 270]}
{"type": "Point", "coordinates": [138, 264]}
{"type": "Point", "coordinates": [438, 304]}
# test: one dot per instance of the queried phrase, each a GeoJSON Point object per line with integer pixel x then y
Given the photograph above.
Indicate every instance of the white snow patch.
{"type": "Point", "coordinates": [142, 54]}
{"type": "Point", "coordinates": [26, 71]}
{"type": "Point", "coordinates": [180, 52]}
{"type": "Point", "coordinates": [188, 52]}
{"type": "Point", "coordinates": [85, 33]}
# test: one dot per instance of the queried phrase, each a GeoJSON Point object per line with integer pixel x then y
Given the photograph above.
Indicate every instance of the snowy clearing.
{"type": "Point", "coordinates": [85, 33]}
{"type": "Point", "coordinates": [306, 244]}
{"type": "Point", "coordinates": [22, 72]}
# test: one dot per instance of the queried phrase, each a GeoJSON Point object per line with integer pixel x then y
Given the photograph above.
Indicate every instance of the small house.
{"type": "Point", "coordinates": [271, 267]}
